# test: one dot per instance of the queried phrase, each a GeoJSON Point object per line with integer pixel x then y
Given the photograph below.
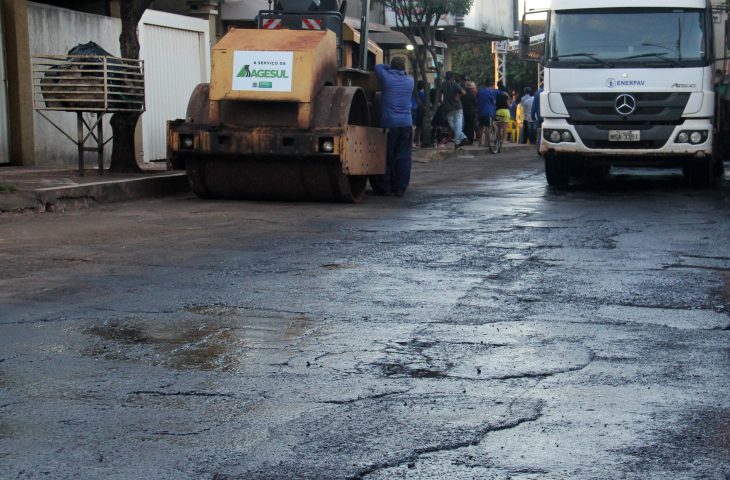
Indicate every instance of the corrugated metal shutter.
{"type": "Point", "coordinates": [174, 64]}
{"type": "Point", "coordinates": [4, 127]}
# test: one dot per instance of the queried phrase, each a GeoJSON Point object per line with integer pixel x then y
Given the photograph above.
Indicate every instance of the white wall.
{"type": "Point", "coordinates": [4, 127]}
{"type": "Point", "coordinates": [494, 17]}
{"type": "Point", "coordinates": [242, 9]}
{"type": "Point", "coordinates": [55, 31]}
{"type": "Point", "coordinates": [176, 58]}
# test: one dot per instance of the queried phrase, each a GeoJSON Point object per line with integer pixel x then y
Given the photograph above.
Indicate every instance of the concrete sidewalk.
{"type": "Point", "coordinates": [39, 189]}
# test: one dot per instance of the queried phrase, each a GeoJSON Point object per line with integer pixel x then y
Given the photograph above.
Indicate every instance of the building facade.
{"type": "Point", "coordinates": [175, 43]}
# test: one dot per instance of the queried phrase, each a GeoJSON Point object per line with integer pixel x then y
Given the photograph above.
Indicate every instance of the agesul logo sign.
{"type": "Point", "coordinates": [246, 72]}
{"type": "Point", "coordinates": [257, 70]}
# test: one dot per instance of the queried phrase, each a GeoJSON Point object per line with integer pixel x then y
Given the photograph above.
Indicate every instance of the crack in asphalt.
{"type": "Point", "coordinates": [530, 375]}
{"type": "Point", "coordinates": [181, 394]}
{"type": "Point", "coordinates": [721, 329]}
{"type": "Point", "coordinates": [185, 434]}
{"type": "Point", "coordinates": [393, 369]}
{"type": "Point", "coordinates": [450, 447]}
{"type": "Point", "coordinates": [372, 397]}
{"type": "Point", "coordinates": [703, 257]}
{"type": "Point", "coordinates": [687, 266]}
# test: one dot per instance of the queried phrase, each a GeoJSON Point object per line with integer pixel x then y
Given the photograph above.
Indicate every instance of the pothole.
{"type": "Point", "coordinates": [182, 346]}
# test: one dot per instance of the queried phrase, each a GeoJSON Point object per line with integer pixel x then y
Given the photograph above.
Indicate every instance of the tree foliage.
{"type": "Point", "coordinates": [477, 62]}
{"type": "Point", "coordinates": [474, 60]}
{"type": "Point", "coordinates": [124, 123]}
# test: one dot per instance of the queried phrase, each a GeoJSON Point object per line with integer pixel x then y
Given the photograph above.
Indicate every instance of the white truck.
{"type": "Point", "coordinates": [630, 83]}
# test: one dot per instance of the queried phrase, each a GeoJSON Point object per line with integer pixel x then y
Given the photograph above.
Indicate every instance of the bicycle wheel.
{"type": "Point", "coordinates": [493, 139]}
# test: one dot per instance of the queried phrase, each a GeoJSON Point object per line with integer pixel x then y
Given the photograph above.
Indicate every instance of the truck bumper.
{"type": "Point", "coordinates": [658, 145]}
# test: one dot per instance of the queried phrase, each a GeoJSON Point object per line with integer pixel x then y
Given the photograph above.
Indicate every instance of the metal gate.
{"type": "Point", "coordinates": [175, 53]}
{"type": "Point", "coordinates": [4, 127]}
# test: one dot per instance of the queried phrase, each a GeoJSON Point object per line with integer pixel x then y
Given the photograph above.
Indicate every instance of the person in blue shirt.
{"type": "Point", "coordinates": [536, 117]}
{"type": "Point", "coordinates": [486, 109]}
{"type": "Point", "coordinates": [418, 113]}
{"type": "Point", "coordinates": [397, 91]}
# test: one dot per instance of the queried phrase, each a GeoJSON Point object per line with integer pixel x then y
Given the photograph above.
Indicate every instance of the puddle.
{"type": "Point", "coordinates": [217, 338]}
{"type": "Point", "coordinates": [259, 325]}
{"type": "Point", "coordinates": [180, 346]}
{"type": "Point", "coordinates": [119, 332]}
{"type": "Point", "coordinates": [206, 349]}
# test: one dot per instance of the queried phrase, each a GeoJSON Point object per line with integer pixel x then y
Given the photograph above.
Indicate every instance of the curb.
{"type": "Point", "coordinates": [62, 198]}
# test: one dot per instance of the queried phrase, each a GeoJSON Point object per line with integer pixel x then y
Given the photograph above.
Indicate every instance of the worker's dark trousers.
{"type": "Point", "coordinates": [398, 163]}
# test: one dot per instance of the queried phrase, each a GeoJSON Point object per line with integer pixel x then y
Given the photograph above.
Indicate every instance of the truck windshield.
{"type": "Point", "coordinates": [627, 37]}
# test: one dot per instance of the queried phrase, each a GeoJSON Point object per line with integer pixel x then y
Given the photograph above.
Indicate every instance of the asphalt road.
{"type": "Point", "coordinates": [483, 326]}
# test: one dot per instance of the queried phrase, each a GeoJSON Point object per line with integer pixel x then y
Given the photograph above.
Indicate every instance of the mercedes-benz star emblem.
{"type": "Point", "coordinates": [625, 104]}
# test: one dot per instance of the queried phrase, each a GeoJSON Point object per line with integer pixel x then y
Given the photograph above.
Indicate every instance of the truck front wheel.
{"type": "Point", "coordinates": [700, 172]}
{"type": "Point", "coordinates": [557, 170]}
{"type": "Point", "coordinates": [719, 167]}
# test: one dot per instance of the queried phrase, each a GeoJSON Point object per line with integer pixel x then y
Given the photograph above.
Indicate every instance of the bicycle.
{"type": "Point", "coordinates": [495, 133]}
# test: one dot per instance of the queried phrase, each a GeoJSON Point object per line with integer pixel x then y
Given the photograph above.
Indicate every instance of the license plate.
{"type": "Point", "coordinates": [624, 135]}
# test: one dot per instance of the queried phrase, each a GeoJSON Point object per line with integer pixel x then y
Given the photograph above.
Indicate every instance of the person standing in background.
{"type": "Point", "coordinates": [469, 103]}
{"type": "Point", "coordinates": [514, 100]}
{"type": "Point", "coordinates": [486, 109]}
{"type": "Point", "coordinates": [502, 104]}
{"type": "Point", "coordinates": [397, 117]}
{"type": "Point", "coordinates": [527, 124]}
{"type": "Point", "coordinates": [452, 92]}
{"type": "Point", "coordinates": [537, 117]}
{"type": "Point", "coordinates": [418, 113]}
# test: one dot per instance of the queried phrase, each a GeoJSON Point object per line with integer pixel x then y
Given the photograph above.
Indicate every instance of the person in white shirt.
{"type": "Point", "coordinates": [528, 126]}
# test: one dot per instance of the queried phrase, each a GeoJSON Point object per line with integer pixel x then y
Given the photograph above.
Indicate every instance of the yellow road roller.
{"type": "Point", "coordinates": [287, 115]}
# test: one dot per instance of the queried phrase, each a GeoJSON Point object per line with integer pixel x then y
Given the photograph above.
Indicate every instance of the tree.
{"type": "Point", "coordinates": [419, 18]}
{"type": "Point", "coordinates": [473, 59]}
{"type": "Point", "coordinates": [124, 123]}
{"type": "Point", "coordinates": [477, 61]}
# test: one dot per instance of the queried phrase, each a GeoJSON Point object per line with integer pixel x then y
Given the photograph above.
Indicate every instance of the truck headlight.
{"type": "Point", "coordinates": [695, 138]}
{"type": "Point", "coordinates": [566, 136]}
{"type": "Point", "coordinates": [555, 136]}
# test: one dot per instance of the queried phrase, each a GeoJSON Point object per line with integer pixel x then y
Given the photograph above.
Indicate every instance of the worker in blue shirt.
{"type": "Point", "coordinates": [487, 109]}
{"type": "Point", "coordinates": [397, 88]}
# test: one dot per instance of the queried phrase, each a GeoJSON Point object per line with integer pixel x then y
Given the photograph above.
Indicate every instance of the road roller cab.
{"type": "Point", "coordinates": [285, 116]}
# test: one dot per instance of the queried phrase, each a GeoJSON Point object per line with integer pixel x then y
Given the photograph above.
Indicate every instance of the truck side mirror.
{"type": "Point", "coordinates": [532, 35]}
{"type": "Point", "coordinates": [524, 41]}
